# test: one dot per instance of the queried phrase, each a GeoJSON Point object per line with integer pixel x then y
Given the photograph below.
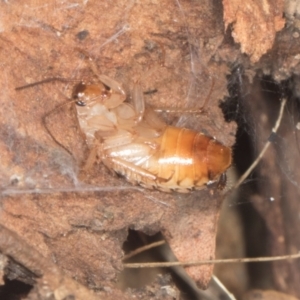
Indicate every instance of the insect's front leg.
{"type": "Point", "coordinates": [117, 95]}
{"type": "Point", "coordinates": [148, 116]}
{"type": "Point", "coordinates": [111, 83]}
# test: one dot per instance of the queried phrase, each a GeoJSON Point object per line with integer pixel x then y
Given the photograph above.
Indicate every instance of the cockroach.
{"type": "Point", "coordinates": [136, 143]}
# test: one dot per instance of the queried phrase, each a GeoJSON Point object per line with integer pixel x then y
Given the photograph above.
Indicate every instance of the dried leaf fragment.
{"type": "Point", "coordinates": [255, 24]}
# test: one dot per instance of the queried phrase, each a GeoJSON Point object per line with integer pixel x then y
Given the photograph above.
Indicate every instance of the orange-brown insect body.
{"type": "Point", "coordinates": [196, 159]}
{"type": "Point", "coordinates": [184, 160]}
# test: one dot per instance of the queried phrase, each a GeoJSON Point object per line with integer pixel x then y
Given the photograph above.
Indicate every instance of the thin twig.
{"type": "Point", "coordinates": [142, 249]}
{"type": "Point", "coordinates": [210, 262]}
{"type": "Point", "coordinates": [265, 148]}
{"type": "Point", "coordinates": [223, 288]}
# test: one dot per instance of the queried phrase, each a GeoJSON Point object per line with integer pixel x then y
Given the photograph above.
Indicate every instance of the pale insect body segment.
{"type": "Point", "coordinates": [137, 144]}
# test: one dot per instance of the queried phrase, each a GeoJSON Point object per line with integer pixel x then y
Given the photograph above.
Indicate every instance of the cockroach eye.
{"type": "Point", "coordinates": [80, 103]}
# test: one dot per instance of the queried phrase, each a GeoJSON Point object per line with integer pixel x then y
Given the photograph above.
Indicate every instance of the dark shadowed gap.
{"type": "Point", "coordinates": [236, 108]}
{"type": "Point", "coordinates": [141, 278]}
{"type": "Point", "coordinates": [14, 290]}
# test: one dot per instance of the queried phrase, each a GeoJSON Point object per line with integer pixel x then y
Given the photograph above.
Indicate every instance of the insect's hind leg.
{"type": "Point", "coordinates": [133, 173]}
{"type": "Point", "coordinates": [91, 159]}
{"type": "Point", "coordinates": [221, 184]}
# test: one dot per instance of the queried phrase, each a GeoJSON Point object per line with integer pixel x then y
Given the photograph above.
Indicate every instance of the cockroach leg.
{"type": "Point", "coordinates": [91, 159]}
{"type": "Point", "coordinates": [221, 184]}
{"type": "Point", "coordinates": [124, 168]}
{"type": "Point", "coordinates": [112, 84]}
{"type": "Point", "coordinates": [189, 110]}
